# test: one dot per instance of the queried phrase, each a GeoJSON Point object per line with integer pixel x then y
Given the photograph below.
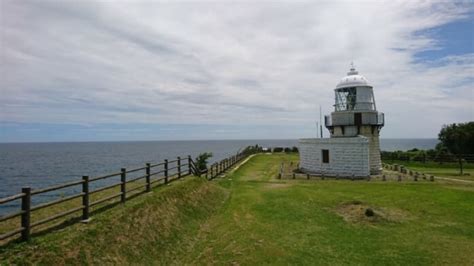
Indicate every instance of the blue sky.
{"type": "Point", "coordinates": [455, 38]}
{"type": "Point", "coordinates": [150, 70]}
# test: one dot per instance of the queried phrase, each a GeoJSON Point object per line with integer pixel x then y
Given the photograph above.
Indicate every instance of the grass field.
{"type": "Point", "coordinates": [248, 217]}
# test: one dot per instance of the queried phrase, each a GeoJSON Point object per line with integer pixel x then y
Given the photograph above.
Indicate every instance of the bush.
{"type": "Point", "coordinates": [294, 149]}
{"type": "Point", "coordinates": [201, 160]}
{"type": "Point", "coordinates": [278, 149]}
{"type": "Point", "coordinates": [252, 149]}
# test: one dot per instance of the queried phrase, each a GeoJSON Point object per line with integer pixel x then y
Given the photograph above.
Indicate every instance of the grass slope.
{"type": "Point", "coordinates": [146, 230]}
{"type": "Point", "coordinates": [249, 217]}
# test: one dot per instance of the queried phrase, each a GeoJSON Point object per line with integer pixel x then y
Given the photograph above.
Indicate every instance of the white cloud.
{"type": "Point", "coordinates": [226, 63]}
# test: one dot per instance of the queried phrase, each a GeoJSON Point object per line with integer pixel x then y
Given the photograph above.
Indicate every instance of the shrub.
{"type": "Point", "coordinates": [201, 160]}
{"type": "Point", "coordinates": [278, 149]}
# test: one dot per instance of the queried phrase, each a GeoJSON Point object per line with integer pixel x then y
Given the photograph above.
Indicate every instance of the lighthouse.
{"type": "Point", "coordinates": [353, 149]}
{"type": "Point", "coordinates": [355, 113]}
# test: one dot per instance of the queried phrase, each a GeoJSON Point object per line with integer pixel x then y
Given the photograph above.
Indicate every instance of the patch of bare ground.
{"type": "Point", "coordinates": [357, 212]}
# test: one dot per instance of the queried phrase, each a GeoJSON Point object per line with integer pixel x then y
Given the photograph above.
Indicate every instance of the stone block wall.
{"type": "Point", "coordinates": [374, 149]}
{"type": "Point", "coordinates": [347, 156]}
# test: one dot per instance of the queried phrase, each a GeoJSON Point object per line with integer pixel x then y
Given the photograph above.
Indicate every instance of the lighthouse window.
{"type": "Point", "coordinates": [325, 156]}
{"type": "Point", "coordinates": [346, 99]}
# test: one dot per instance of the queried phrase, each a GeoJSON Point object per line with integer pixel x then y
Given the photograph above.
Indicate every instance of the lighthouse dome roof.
{"type": "Point", "coordinates": [353, 79]}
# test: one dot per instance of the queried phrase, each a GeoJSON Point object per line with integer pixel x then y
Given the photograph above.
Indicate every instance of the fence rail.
{"type": "Point", "coordinates": [161, 173]}
{"type": "Point", "coordinates": [172, 170]}
{"type": "Point", "coordinates": [217, 168]}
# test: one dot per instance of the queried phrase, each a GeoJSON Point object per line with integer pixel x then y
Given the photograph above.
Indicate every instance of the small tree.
{"type": "Point", "coordinates": [201, 160]}
{"type": "Point", "coordinates": [442, 153]}
{"type": "Point", "coordinates": [458, 140]}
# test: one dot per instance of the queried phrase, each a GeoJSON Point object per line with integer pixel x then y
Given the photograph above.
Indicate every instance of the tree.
{"type": "Point", "coordinates": [458, 140]}
{"type": "Point", "coordinates": [442, 153]}
{"type": "Point", "coordinates": [201, 160]}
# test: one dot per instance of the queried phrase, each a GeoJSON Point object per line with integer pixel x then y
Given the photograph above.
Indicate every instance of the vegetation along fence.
{"type": "Point", "coordinates": [422, 156]}
{"type": "Point", "coordinates": [131, 182]}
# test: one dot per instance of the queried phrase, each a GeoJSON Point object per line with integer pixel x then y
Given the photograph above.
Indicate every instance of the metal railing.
{"type": "Point", "coordinates": [378, 121]}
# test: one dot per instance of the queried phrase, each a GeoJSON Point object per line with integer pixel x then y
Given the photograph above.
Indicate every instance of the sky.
{"type": "Point", "coordinates": [171, 70]}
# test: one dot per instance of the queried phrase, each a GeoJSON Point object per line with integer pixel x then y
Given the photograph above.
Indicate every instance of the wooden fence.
{"type": "Point", "coordinates": [150, 175]}
{"type": "Point", "coordinates": [220, 167]}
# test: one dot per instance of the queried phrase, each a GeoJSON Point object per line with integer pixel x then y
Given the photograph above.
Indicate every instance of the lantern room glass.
{"type": "Point", "coordinates": [355, 99]}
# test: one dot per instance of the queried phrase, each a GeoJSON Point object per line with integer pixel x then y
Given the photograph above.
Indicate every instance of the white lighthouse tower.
{"type": "Point", "coordinates": [353, 150]}
{"type": "Point", "coordinates": [355, 114]}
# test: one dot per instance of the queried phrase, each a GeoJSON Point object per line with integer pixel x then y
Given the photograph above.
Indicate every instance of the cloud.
{"type": "Point", "coordinates": [84, 62]}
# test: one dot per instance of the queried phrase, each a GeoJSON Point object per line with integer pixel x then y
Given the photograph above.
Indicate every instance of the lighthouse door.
{"type": "Point", "coordinates": [357, 119]}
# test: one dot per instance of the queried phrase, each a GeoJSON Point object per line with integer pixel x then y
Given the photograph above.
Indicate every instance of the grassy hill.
{"type": "Point", "coordinates": [249, 217]}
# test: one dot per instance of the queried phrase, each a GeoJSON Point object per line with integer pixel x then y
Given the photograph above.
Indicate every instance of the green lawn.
{"type": "Point", "coordinates": [300, 222]}
{"type": "Point", "coordinates": [450, 170]}
{"type": "Point", "coordinates": [249, 217]}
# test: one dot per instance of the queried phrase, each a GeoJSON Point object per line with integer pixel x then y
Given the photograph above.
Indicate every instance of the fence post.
{"type": "Point", "coordinates": [85, 198]}
{"type": "Point", "coordinates": [25, 216]}
{"type": "Point", "coordinates": [148, 179]}
{"type": "Point", "coordinates": [179, 167]}
{"type": "Point", "coordinates": [123, 179]}
{"type": "Point", "coordinates": [189, 164]}
{"type": "Point", "coordinates": [280, 174]}
{"type": "Point", "coordinates": [166, 171]}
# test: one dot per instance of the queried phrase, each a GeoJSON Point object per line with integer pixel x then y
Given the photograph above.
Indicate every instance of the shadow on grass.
{"type": "Point", "coordinates": [66, 223]}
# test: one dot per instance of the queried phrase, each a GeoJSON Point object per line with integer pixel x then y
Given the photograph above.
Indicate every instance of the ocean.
{"type": "Point", "coordinates": [39, 165]}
